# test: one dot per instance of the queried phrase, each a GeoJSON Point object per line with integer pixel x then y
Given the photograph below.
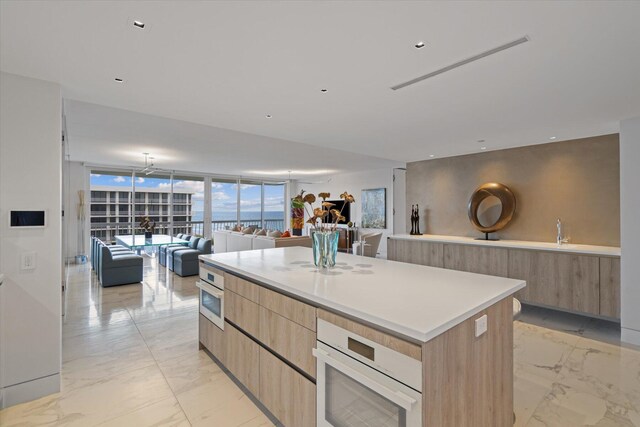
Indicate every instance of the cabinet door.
{"type": "Point", "coordinates": [212, 338]}
{"type": "Point", "coordinates": [416, 252]}
{"type": "Point", "coordinates": [566, 281]}
{"type": "Point", "coordinates": [293, 342]}
{"type": "Point", "coordinates": [241, 287]}
{"type": "Point", "coordinates": [289, 396]}
{"type": "Point", "coordinates": [294, 310]}
{"type": "Point", "coordinates": [242, 358]}
{"type": "Point", "coordinates": [610, 287]}
{"type": "Point", "coordinates": [477, 259]}
{"type": "Point", "coordinates": [242, 312]}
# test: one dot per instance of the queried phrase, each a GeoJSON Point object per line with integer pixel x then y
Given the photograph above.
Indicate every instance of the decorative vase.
{"type": "Point", "coordinates": [148, 234]}
{"type": "Point", "coordinates": [325, 248]}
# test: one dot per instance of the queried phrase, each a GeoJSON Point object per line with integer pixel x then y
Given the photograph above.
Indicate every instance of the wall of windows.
{"type": "Point", "coordinates": [180, 203]}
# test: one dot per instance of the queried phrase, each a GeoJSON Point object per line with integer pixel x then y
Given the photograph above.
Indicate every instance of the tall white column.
{"type": "Point", "coordinates": [630, 229]}
{"type": "Point", "coordinates": [206, 217]}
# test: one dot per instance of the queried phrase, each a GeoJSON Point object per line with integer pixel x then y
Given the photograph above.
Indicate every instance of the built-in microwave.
{"type": "Point", "coordinates": [212, 296]}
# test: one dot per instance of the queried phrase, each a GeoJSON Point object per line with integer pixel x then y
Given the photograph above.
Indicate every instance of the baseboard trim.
{"type": "Point", "coordinates": [630, 336]}
{"type": "Point", "coordinates": [29, 390]}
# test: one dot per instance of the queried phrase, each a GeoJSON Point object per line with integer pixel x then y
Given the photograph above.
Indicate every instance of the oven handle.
{"type": "Point", "coordinates": [210, 289]}
{"type": "Point", "coordinates": [396, 397]}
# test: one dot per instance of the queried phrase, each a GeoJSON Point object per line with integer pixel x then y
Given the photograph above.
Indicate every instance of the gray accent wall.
{"type": "Point", "coordinates": [577, 181]}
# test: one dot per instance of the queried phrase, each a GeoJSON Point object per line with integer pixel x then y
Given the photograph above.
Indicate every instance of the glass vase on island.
{"type": "Point", "coordinates": [324, 221]}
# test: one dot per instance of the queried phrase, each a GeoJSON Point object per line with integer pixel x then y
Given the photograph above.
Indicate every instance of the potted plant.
{"type": "Point", "coordinates": [324, 233]}
{"type": "Point", "coordinates": [148, 226]}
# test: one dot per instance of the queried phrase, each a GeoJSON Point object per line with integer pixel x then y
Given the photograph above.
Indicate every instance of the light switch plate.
{"type": "Point", "coordinates": [28, 261]}
{"type": "Point", "coordinates": [481, 325]}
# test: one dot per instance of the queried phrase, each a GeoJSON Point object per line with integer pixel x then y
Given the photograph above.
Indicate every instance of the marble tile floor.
{"type": "Point", "coordinates": [131, 358]}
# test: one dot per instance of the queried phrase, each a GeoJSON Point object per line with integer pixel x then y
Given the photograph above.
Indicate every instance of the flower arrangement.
{"type": "Point", "coordinates": [317, 215]}
{"type": "Point", "coordinates": [147, 224]}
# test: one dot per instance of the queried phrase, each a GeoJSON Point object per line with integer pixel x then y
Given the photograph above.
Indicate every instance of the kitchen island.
{"type": "Point", "coordinates": [419, 345]}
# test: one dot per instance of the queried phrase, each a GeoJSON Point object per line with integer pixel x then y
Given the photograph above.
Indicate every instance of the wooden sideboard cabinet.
{"type": "Point", "coordinates": [416, 252]}
{"type": "Point", "coordinates": [610, 287]}
{"type": "Point", "coordinates": [566, 281]}
{"type": "Point", "coordinates": [476, 259]}
{"type": "Point", "coordinates": [585, 283]}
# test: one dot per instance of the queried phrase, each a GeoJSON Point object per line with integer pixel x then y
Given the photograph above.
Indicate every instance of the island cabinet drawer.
{"type": "Point", "coordinates": [242, 358]}
{"type": "Point", "coordinates": [293, 342]}
{"type": "Point", "coordinates": [294, 310]}
{"type": "Point", "coordinates": [212, 338]}
{"type": "Point", "coordinates": [242, 287]}
{"type": "Point", "coordinates": [287, 394]}
{"type": "Point", "coordinates": [242, 312]}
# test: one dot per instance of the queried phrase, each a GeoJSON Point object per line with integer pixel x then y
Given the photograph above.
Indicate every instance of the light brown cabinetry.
{"type": "Point", "coordinates": [241, 287]}
{"type": "Point", "coordinates": [294, 310]}
{"type": "Point", "coordinates": [588, 284]}
{"type": "Point", "coordinates": [610, 287]}
{"type": "Point", "coordinates": [468, 380]}
{"type": "Point", "coordinates": [290, 340]}
{"type": "Point", "coordinates": [287, 394]}
{"type": "Point", "coordinates": [212, 338]}
{"type": "Point", "coordinates": [242, 312]}
{"type": "Point", "coordinates": [567, 281]}
{"type": "Point", "coordinates": [416, 252]}
{"type": "Point", "coordinates": [242, 358]}
{"type": "Point", "coordinates": [476, 259]}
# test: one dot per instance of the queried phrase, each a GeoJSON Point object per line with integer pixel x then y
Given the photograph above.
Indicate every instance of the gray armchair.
{"type": "Point", "coordinates": [119, 267]}
{"type": "Point", "coordinates": [162, 253]}
{"type": "Point", "coordinates": [185, 262]}
{"type": "Point", "coordinates": [172, 250]}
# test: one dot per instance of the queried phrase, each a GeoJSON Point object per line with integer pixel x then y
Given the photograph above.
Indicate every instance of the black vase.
{"type": "Point", "coordinates": [148, 234]}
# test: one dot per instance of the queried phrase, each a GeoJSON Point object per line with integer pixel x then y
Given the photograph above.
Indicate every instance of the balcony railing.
{"type": "Point", "coordinates": [108, 231]}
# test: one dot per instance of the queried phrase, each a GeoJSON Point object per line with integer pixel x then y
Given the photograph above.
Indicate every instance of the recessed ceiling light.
{"type": "Point", "coordinates": [268, 116]}
{"type": "Point", "coordinates": [119, 80]}
{"type": "Point", "coordinates": [419, 45]}
{"type": "Point", "coordinates": [432, 155]}
{"type": "Point", "coordinates": [323, 90]}
{"type": "Point", "coordinates": [483, 148]}
{"type": "Point", "coordinates": [552, 138]}
{"type": "Point", "coordinates": [138, 24]}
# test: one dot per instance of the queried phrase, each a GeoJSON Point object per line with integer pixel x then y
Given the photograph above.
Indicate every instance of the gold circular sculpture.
{"type": "Point", "coordinates": [507, 202]}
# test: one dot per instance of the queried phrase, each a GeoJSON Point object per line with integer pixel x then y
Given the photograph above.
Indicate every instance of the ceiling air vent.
{"type": "Point", "coordinates": [463, 62]}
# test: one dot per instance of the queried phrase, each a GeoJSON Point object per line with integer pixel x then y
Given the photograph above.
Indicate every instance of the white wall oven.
{"type": "Point", "coordinates": [361, 383]}
{"type": "Point", "coordinates": [211, 286]}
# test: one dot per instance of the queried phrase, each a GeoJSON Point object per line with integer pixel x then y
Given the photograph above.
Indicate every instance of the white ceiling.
{"type": "Point", "coordinates": [111, 136]}
{"type": "Point", "coordinates": [227, 64]}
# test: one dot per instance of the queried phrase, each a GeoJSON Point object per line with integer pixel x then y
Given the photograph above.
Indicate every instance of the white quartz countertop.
{"type": "Point", "coordinates": [516, 244]}
{"type": "Point", "coordinates": [414, 301]}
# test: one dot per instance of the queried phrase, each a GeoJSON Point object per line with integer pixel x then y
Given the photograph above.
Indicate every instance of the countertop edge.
{"type": "Point", "coordinates": [396, 329]}
{"type": "Point", "coordinates": [594, 250]}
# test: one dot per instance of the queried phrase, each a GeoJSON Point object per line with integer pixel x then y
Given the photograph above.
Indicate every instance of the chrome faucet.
{"type": "Point", "coordinates": [560, 239]}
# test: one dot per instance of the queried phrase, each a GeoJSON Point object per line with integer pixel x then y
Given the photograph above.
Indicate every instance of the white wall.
{"type": "Point", "coordinates": [630, 228]}
{"type": "Point", "coordinates": [354, 183]}
{"type": "Point", "coordinates": [30, 300]}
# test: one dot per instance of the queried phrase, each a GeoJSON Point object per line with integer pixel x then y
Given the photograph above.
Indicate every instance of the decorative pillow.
{"type": "Point", "coordinates": [248, 230]}
{"type": "Point", "coordinates": [237, 228]}
{"type": "Point", "coordinates": [275, 233]}
{"type": "Point", "coordinates": [261, 232]}
{"type": "Point", "coordinates": [286, 234]}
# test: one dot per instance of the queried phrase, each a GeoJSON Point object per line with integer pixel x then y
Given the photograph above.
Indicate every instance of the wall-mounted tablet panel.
{"type": "Point", "coordinates": [28, 219]}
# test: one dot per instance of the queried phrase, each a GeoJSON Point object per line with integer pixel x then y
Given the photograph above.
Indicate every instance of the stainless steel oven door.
{"type": "Point", "coordinates": [211, 303]}
{"type": "Point", "coordinates": [352, 394]}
